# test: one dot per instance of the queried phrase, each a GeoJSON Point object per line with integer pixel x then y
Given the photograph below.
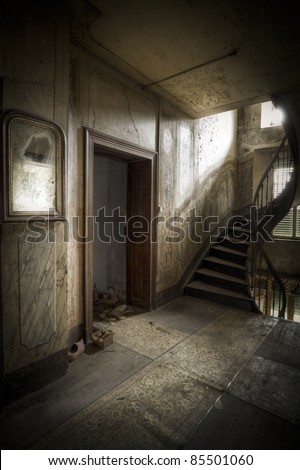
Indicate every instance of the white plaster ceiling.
{"type": "Point", "coordinates": [237, 52]}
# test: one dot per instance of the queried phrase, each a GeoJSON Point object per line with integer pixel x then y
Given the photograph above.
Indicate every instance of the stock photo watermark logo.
{"type": "Point", "coordinates": [117, 228]}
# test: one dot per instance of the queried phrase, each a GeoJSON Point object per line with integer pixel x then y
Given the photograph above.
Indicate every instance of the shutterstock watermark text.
{"type": "Point", "coordinates": [113, 227]}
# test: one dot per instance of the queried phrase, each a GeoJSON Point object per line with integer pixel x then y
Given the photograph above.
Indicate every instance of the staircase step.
{"type": "Point", "coordinates": [225, 266]}
{"type": "Point", "coordinates": [229, 254]}
{"type": "Point", "coordinates": [238, 229]}
{"type": "Point", "coordinates": [234, 243]}
{"type": "Point", "coordinates": [225, 262]}
{"type": "Point", "coordinates": [224, 296]}
{"type": "Point", "coordinates": [221, 279]}
{"type": "Point", "coordinates": [240, 239]}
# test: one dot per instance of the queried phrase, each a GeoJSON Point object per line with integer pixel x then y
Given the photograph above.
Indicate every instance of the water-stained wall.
{"type": "Point", "coordinates": [196, 178]}
{"type": "Point", "coordinates": [252, 139]}
{"type": "Point", "coordinates": [196, 161]}
{"type": "Point", "coordinates": [103, 100]}
{"type": "Point", "coordinates": [35, 70]}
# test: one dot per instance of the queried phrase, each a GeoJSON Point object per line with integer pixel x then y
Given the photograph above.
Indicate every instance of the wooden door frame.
{"type": "Point", "coordinates": [118, 149]}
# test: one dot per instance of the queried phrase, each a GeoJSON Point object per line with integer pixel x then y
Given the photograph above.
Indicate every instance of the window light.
{"type": "Point", "coordinates": [270, 116]}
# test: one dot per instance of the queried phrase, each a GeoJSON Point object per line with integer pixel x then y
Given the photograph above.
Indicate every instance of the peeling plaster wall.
{"type": "Point", "coordinates": [196, 163]}
{"type": "Point", "coordinates": [104, 100]}
{"type": "Point", "coordinates": [251, 138]}
{"type": "Point", "coordinates": [197, 177]}
{"type": "Point", "coordinates": [196, 174]}
{"type": "Point", "coordinates": [35, 66]}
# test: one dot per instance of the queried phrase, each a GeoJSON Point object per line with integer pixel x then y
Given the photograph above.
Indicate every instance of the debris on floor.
{"type": "Point", "coordinates": [100, 325]}
{"type": "Point", "coordinates": [102, 338]}
{"type": "Point", "coordinates": [110, 306]}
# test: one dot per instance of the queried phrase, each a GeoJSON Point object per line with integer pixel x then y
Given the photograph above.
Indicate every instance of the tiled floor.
{"type": "Point", "coordinates": [192, 374]}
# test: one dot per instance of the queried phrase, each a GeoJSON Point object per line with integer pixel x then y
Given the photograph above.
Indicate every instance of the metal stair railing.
{"type": "Point", "coordinates": [273, 197]}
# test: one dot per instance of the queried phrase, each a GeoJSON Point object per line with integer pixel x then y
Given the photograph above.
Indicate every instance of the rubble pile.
{"type": "Point", "coordinates": [110, 306]}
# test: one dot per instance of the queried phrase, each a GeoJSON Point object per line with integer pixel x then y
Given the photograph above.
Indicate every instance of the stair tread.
{"type": "Point", "coordinates": [220, 275]}
{"type": "Point", "coordinates": [240, 228]}
{"type": "Point", "coordinates": [215, 259]}
{"type": "Point", "coordinates": [217, 290]}
{"type": "Point", "coordinates": [229, 250]}
{"type": "Point", "coordinates": [236, 240]}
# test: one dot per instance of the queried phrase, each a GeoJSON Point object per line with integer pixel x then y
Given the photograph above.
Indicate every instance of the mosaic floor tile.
{"type": "Point", "coordinates": [156, 410]}
{"type": "Point", "coordinates": [186, 313]}
{"type": "Point", "coordinates": [220, 350]}
{"type": "Point", "coordinates": [146, 337]}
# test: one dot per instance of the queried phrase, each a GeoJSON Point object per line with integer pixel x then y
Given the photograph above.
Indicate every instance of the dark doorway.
{"type": "Point", "coordinates": [140, 211]}
{"type": "Point", "coordinates": [110, 209]}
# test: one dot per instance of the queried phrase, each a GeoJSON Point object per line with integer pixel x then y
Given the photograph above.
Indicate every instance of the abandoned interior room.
{"type": "Point", "coordinates": [150, 224]}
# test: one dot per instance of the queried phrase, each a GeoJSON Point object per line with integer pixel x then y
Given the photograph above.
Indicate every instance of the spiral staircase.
{"type": "Point", "coordinates": [237, 270]}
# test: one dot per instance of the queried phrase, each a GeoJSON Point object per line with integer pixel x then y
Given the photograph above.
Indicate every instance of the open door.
{"type": "Point", "coordinates": [141, 204]}
{"type": "Point", "coordinates": [138, 249]}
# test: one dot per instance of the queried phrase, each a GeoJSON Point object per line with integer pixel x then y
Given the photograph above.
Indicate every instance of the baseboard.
{"type": "Point", "coordinates": [35, 376]}
{"type": "Point", "coordinates": [167, 295]}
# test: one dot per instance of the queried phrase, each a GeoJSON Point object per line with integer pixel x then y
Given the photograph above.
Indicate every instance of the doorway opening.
{"type": "Point", "coordinates": [109, 242]}
{"type": "Point", "coordinates": [120, 190]}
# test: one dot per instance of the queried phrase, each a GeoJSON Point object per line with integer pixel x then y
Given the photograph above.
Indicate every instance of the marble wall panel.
{"type": "Point", "coordinates": [102, 99]}
{"type": "Point", "coordinates": [120, 110]}
{"type": "Point", "coordinates": [35, 60]}
{"type": "Point", "coordinates": [21, 348]}
{"type": "Point", "coordinates": [37, 291]}
{"type": "Point", "coordinates": [34, 70]}
{"type": "Point", "coordinates": [75, 189]}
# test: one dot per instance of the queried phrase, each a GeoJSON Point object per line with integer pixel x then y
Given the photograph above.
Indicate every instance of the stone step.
{"type": "Point", "coordinates": [229, 254]}
{"type": "Point", "coordinates": [221, 279]}
{"type": "Point", "coordinates": [202, 290]}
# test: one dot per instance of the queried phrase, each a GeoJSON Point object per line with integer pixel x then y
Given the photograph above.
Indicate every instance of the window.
{"type": "Point", "coordinates": [270, 116]}
{"type": "Point", "coordinates": [289, 226]}
{"type": "Point", "coordinates": [281, 176]}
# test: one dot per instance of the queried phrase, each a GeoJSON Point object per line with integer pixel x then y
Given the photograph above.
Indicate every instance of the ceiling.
{"type": "Point", "coordinates": [204, 57]}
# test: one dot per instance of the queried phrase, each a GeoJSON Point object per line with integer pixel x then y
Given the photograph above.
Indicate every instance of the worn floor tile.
{"type": "Point", "coordinates": [270, 385]}
{"type": "Point", "coordinates": [147, 337]}
{"type": "Point", "coordinates": [234, 424]}
{"type": "Point", "coordinates": [220, 350]}
{"type": "Point", "coordinates": [153, 393]}
{"type": "Point", "coordinates": [155, 410]}
{"type": "Point", "coordinates": [283, 344]}
{"type": "Point", "coordinates": [87, 379]}
{"type": "Point", "coordinates": [186, 314]}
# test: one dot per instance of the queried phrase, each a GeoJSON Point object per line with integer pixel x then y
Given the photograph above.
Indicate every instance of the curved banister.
{"type": "Point", "coordinates": [275, 205]}
{"type": "Point", "coordinates": [267, 171]}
